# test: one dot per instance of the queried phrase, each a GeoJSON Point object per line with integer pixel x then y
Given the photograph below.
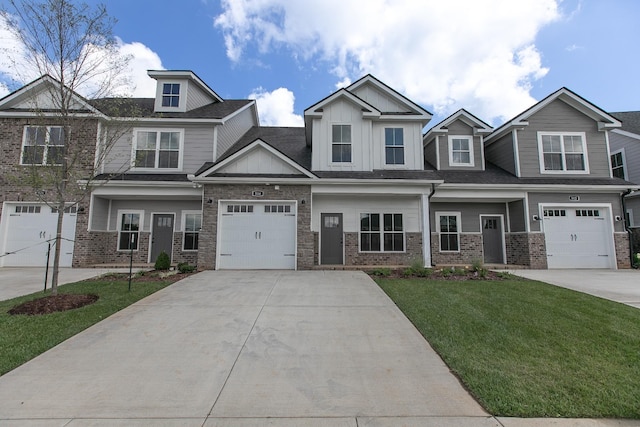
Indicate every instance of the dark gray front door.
{"type": "Point", "coordinates": [492, 239]}
{"type": "Point", "coordinates": [161, 235]}
{"type": "Point", "coordinates": [331, 239]}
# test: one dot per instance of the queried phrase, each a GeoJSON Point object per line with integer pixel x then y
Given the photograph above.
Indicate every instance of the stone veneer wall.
{"type": "Point", "coordinates": [623, 256]}
{"type": "Point", "coordinates": [353, 256]}
{"type": "Point", "coordinates": [470, 250]}
{"type": "Point", "coordinates": [526, 249]}
{"type": "Point", "coordinates": [207, 243]}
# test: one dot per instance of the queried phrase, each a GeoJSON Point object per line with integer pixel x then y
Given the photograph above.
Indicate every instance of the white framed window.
{"type": "Point", "coordinates": [449, 225]}
{"type": "Point", "coordinates": [381, 232]}
{"type": "Point", "coordinates": [394, 146]}
{"type": "Point", "coordinates": [170, 94]}
{"type": "Point", "coordinates": [341, 143]}
{"type": "Point", "coordinates": [618, 164]}
{"type": "Point", "coordinates": [461, 150]}
{"type": "Point", "coordinates": [157, 149]}
{"type": "Point", "coordinates": [129, 227]}
{"type": "Point", "coordinates": [42, 145]}
{"type": "Point", "coordinates": [563, 152]}
{"type": "Point", "coordinates": [191, 225]}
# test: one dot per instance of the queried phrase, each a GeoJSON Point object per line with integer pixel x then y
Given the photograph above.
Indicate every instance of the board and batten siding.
{"type": "Point", "coordinates": [459, 128]}
{"type": "Point", "coordinates": [501, 154]}
{"type": "Point", "coordinates": [469, 214]}
{"type": "Point", "coordinates": [631, 147]}
{"type": "Point", "coordinates": [231, 131]}
{"type": "Point", "coordinates": [560, 117]}
{"type": "Point", "coordinates": [379, 100]}
{"type": "Point", "coordinates": [151, 207]}
{"type": "Point", "coordinates": [538, 199]}
{"type": "Point", "coordinates": [352, 206]}
{"type": "Point", "coordinates": [342, 112]}
{"type": "Point", "coordinates": [259, 161]}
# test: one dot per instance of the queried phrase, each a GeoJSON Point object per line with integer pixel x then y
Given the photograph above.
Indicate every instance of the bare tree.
{"type": "Point", "coordinates": [72, 46]}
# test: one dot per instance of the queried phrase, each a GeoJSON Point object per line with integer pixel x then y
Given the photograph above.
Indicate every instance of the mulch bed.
{"type": "Point", "coordinates": [53, 303]}
{"type": "Point", "coordinates": [456, 274]}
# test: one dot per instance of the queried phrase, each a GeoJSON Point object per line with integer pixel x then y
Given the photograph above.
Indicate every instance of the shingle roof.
{"type": "Point", "coordinates": [630, 121]}
{"type": "Point", "coordinates": [143, 107]}
{"type": "Point", "coordinates": [380, 174]}
{"type": "Point", "coordinates": [155, 177]}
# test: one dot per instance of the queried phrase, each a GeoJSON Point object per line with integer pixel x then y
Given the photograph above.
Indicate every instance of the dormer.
{"type": "Point", "coordinates": [457, 142]}
{"type": "Point", "coordinates": [364, 127]}
{"type": "Point", "coordinates": [179, 91]}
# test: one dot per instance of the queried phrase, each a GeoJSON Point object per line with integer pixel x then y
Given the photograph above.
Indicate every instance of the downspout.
{"type": "Point", "coordinates": [626, 225]}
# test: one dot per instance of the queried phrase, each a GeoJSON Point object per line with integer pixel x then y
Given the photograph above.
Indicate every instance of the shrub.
{"type": "Point", "coordinates": [185, 267]}
{"type": "Point", "coordinates": [163, 262]}
{"type": "Point", "coordinates": [382, 272]}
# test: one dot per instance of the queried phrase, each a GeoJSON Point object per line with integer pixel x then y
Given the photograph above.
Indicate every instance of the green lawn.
{"type": "Point", "coordinates": [24, 337]}
{"type": "Point", "coordinates": [529, 349]}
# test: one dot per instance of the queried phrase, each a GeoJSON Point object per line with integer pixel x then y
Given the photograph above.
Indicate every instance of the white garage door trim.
{"type": "Point", "coordinates": [565, 239]}
{"type": "Point", "coordinates": [37, 222]}
{"type": "Point", "coordinates": [255, 236]}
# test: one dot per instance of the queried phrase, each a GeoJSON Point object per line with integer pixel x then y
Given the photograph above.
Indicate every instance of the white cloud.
{"type": "Point", "coordinates": [16, 70]}
{"type": "Point", "coordinates": [446, 55]}
{"type": "Point", "coordinates": [276, 108]}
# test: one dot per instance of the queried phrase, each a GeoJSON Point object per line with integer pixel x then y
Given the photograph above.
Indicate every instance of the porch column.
{"type": "Point", "coordinates": [426, 231]}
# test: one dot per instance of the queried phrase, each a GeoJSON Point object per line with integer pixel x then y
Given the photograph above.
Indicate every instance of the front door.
{"type": "Point", "coordinates": [161, 235]}
{"type": "Point", "coordinates": [492, 239]}
{"type": "Point", "coordinates": [331, 251]}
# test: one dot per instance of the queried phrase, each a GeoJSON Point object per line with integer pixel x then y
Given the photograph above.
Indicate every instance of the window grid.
{"type": "Point", "coordinates": [43, 145]}
{"type": "Point", "coordinates": [563, 153]}
{"type": "Point", "coordinates": [449, 229]}
{"type": "Point", "coordinates": [385, 237]}
{"type": "Point", "coordinates": [277, 208]}
{"type": "Point", "coordinates": [341, 143]}
{"type": "Point", "coordinates": [157, 149]}
{"type": "Point", "coordinates": [192, 226]}
{"type": "Point", "coordinates": [394, 146]}
{"type": "Point", "coordinates": [239, 208]}
{"type": "Point", "coordinates": [27, 209]}
{"type": "Point", "coordinates": [170, 94]}
{"type": "Point", "coordinates": [617, 165]}
{"type": "Point", "coordinates": [129, 231]}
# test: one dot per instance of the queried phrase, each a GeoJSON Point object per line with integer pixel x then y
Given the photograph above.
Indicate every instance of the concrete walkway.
{"type": "Point", "coordinates": [18, 281]}
{"type": "Point", "coordinates": [616, 285]}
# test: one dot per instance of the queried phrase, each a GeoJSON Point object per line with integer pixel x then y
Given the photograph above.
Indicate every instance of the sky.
{"type": "Point", "coordinates": [495, 58]}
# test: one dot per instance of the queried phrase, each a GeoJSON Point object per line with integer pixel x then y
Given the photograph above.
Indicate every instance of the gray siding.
{"type": "Point", "coordinates": [233, 129]}
{"type": "Point", "coordinates": [198, 146]}
{"type": "Point", "coordinates": [560, 117]}
{"type": "Point", "coordinates": [631, 147]}
{"type": "Point", "coordinates": [460, 128]}
{"type": "Point", "coordinates": [517, 216]}
{"type": "Point", "coordinates": [99, 213]}
{"type": "Point", "coordinates": [501, 154]}
{"type": "Point", "coordinates": [469, 212]}
{"type": "Point", "coordinates": [196, 97]}
{"type": "Point", "coordinates": [535, 199]}
{"type": "Point", "coordinates": [430, 153]}
{"type": "Point", "coordinates": [633, 204]}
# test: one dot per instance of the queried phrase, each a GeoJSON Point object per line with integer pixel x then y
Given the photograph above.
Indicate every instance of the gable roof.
{"type": "Point", "coordinates": [604, 119]}
{"type": "Point", "coordinates": [463, 115]}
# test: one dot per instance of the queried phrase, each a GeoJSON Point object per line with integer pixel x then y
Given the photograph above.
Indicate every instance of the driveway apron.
{"type": "Point", "coordinates": [226, 348]}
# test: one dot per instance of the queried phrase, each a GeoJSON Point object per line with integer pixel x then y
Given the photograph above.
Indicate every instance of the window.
{"type": "Point", "coordinates": [461, 151]}
{"type": "Point", "coordinates": [376, 238]}
{"type": "Point", "coordinates": [562, 153]}
{"type": "Point", "coordinates": [617, 165]}
{"type": "Point", "coordinates": [394, 146]}
{"type": "Point", "coordinates": [170, 94]}
{"type": "Point", "coordinates": [587, 212]}
{"type": "Point", "coordinates": [42, 145]}
{"type": "Point", "coordinates": [157, 149]}
{"type": "Point", "coordinates": [27, 209]}
{"type": "Point", "coordinates": [240, 208]}
{"type": "Point", "coordinates": [554, 212]}
{"type": "Point", "coordinates": [449, 229]}
{"type": "Point", "coordinates": [192, 225]}
{"type": "Point", "coordinates": [129, 233]}
{"type": "Point", "coordinates": [277, 208]}
{"type": "Point", "coordinates": [341, 144]}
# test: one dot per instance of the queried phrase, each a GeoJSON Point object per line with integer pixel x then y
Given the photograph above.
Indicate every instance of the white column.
{"type": "Point", "coordinates": [426, 231]}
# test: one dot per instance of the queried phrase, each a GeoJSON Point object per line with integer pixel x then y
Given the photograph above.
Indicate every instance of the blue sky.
{"type": "Point", "coordinates": [494, 58]}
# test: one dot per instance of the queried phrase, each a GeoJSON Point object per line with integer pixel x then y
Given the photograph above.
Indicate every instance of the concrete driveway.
{"type": "Point", "coordinates": [310, 348]}
{"type": "Point", "coordinates": [617, 285]}
{"type": "Point", "coordinates": [18, 281]}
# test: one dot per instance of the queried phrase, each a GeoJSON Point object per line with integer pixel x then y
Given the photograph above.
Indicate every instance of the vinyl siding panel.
{"type": "Point", "coordinates": [459, 128]}
{"type": "Point", "coordinates": [560, 117]}
{"type": "Point", "coordinates": [631, 147]}
{"type": "Point", "coordinates": [352, 206]}
{"type": "Point", "coordinates": [517, 216]}
{"type": "Point", "coordinates": [196, 97]}
{"type": "Point", "coordinates": [150, 207]}
{"type": "Point", "coordinates": [430, 153]}
{"type": "Point", "coordinates": [501, 154]}
{"type": "Point", "coordinates": [234, 128]}
{"type": "Point", "coordinates": [469, 212]}
{"type": "Point", "coordinates": [633, 204]}
{"type": "Point", "coordinates": [99, 214]}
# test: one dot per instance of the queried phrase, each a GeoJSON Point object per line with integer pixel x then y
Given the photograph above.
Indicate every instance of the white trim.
{"type": "Point", "coordinates": [458, 216]}
{"type": "Point", "coordinates": [402, 165]}
{"type": "Point", "coordinates": [502, 228]}
{"type": "Point", "coordinates": [183, 87]}
{"type": "Point", "coordinates": [158, 131]}
{"type": "Point", "coordinates": [470, 140]}
{"type": "Point", "coordinates": [121, 212]}
{"type": "Point", "coordinates": [426, 230]}
{"type": "Point", "coordinates": [527, 219]}
{"type": "Point", "coordinates": [182, 229]}
{"type": "Point", "coordinates": [508, 218]}
{"type": "Point", "coordinates": [606, 139]}
{"type": "Point", "coordinates": [381, 232]}
{"type": "Point", "coordinates": [626, 133]}
{"type": "Point", "coordinates": [624, 163]}
{"type": "Point", "coordinates": [45, 151]}
{"type": "Point", "coordinates": [331, 142]}
{"type": "Point", "coordinates": [438, 152]}
{"type": "Point", "coordinates": [564, 171]}
{"type": "Point", "coordinates": [215, 143]}
{"type": "Point", "coordinates": [516, 152]}
{"type": "Point", "coordinates": [482, 159]}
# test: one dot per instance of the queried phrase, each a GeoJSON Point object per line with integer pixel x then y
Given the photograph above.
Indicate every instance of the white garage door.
{"type": "Point", "coordinates": [256, 235]}
{"type": "Point", "coordinates": [578, 237]}
{"type": "Point", "coordinates": [27, 228]}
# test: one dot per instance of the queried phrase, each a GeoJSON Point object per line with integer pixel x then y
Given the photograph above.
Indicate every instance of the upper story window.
{"type": "Point", "coordinates": [394, 146]}
{"type": "Point", "coordinates": [157, 149]}
{"type": "Point", "coordinates": [42, 145]}
{"type": "Point", "coordinates": [562, 152]}
{"type": "Point", "coordinates": [460, 150]}
{"type": "Point", "coordinates": [341, 143]}
{"type": "Point", "coordinates": [170, 94]}
{"type": "Point", "coordinates": [617, 165]}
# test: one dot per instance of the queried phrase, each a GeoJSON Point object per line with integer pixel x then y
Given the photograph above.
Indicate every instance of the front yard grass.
{"type": "Point", "coordinates": [529, 349]}
{"type": "Point", "coordinates": [24, 337]}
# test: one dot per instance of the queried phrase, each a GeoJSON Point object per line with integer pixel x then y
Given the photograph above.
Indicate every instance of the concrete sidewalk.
{"type": "Point", "coordinates": [18, 281]}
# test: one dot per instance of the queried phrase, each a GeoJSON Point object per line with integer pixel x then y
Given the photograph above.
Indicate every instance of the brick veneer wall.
{"type": "Point", "coordinates": [207, 243]}
{"type": "Point", "coordinates": [470, 250]}
{"type": "Point", "coordinates": [526, 249]}
{"type": "Point", "coordinates": [623, 256]}
{"type": "Point", "coordinates": [353, 256]}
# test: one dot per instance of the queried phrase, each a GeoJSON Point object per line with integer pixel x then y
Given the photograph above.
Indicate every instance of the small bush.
{"type": "Point", "coordinates": [381, 272]}
{"type": "Point", "coordinates": [185, 267]}
{"type": "Point", "coordinates": [163, 262]}
{"type": "Point", "coordinates": [636, 261]}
